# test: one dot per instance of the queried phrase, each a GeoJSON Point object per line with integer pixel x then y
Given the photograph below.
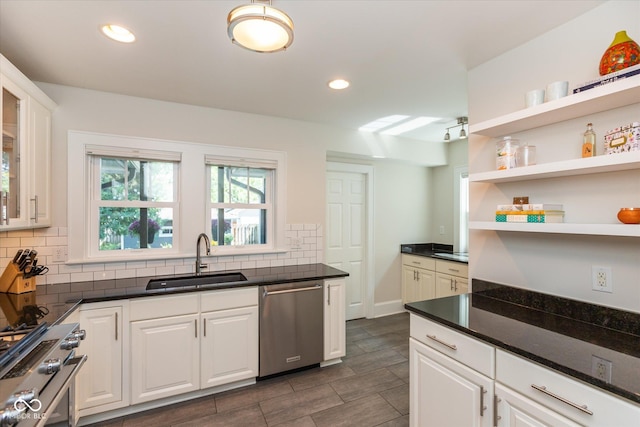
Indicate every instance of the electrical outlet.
{"type": "Point", "coordinates": [602, 280]}
{"type": "Point", "coordinates": [442, 229]}
{"type": "Point", "coordinates": [59, 254]}
{"type": "Point", "coordinates": [296, 242]}
{"type": "Point", "coordinates": [601, 368]}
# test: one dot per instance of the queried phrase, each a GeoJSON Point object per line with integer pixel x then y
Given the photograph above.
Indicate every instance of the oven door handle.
{"type": "Point", "coordinates": [54, 392]}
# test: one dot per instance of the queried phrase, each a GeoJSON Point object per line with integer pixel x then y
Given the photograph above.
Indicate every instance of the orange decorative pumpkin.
{"type": "Point", "coordinates": [622, 53]}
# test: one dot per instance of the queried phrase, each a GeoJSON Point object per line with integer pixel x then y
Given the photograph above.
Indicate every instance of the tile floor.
{"type": "Point", "coordinates": [370, 388]}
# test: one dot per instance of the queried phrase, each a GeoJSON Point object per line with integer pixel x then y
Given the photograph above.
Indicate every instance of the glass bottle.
{"type": "Point", "coordinates": [589, 142]}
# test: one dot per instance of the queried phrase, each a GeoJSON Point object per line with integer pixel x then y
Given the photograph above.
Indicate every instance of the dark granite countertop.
{"type": "Point", "coordinates": [559, 333]}
{"type": "Point", "coordinates": [434, 250]}
{"type": "Point", "coordinates": [56, 302]}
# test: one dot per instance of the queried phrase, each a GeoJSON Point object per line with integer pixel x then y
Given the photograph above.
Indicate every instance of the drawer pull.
{"type": "Point", "coordinates": [543, 389]}
{"type": "Point", "coordinates": [439, 341]}
{"type": "Point", "coordinates": [455, 270]}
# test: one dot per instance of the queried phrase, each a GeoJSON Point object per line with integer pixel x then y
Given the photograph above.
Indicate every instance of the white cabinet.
{"type": "Point", "coordinates": [515, 410]}
{"type": "Point", "coordinates": [335, 344]}
{"type": "Point", "coordinates": [451, 278]}
{"type": "Point", "coordinates": [100, 384]}
{"type": "Point", "coordinates": [451, 377]}
{"type": "Point", "coordinates": [418, 278]}
{"type": "Point", "coordinates": [184, 343]}
{"type": "Point", "coordinates": [25, 149]}
{"type": "Point", "coordinates": [229, 342]}
{"type": "Point", "coordinates": [559, 396]}
{"type": "Point", "coordinates": [165, 349]}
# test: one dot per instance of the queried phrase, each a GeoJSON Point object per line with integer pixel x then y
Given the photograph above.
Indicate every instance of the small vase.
{"type": "Point", "coordinates": [151, 233]}
{"type": "Point", "coordinates": [622, 53]}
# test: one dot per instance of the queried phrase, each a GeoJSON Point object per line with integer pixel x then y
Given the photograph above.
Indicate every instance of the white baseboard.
{"type": "Point", "coordinates": [387, 308]}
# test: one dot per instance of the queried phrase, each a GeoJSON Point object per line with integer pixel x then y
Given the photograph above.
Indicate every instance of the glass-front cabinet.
{"type": "Point", "coordinates": [25, 164]}
{"type": "Point", "coordinates": [13, 185]}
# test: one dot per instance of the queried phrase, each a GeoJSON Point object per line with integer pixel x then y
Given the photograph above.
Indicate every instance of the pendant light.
{"type": "Point", "coordinates": [260, 27]}
{"type": "Point", "coordinates": [463, 134]}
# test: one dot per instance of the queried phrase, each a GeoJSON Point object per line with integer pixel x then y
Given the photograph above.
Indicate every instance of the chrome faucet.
{"type": "Point", "coordinates": [199, 265]}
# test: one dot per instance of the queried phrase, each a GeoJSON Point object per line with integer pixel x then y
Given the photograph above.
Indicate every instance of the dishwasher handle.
{"type": "Point", "coordinates": [266, 293]}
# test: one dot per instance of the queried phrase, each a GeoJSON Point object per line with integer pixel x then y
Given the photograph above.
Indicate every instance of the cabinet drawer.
{"type": "Point", "coordinates": [560, 393]}
{"type": "Point", "coordinates": [156, 307]}
{"type": "Point", "coordinates": [466, 350]}
{"type": "Point", "coordinates": [453, 268]}
{"type": "Point", "coordinates": [228, 298]}
{"type": "Point", "coordinates": [419, 262]}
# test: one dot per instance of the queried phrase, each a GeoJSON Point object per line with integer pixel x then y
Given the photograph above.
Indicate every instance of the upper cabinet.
{"type": "Point", "coordinates": [25, 165]}
{"type": "Point", "coordinates": [555, 177]}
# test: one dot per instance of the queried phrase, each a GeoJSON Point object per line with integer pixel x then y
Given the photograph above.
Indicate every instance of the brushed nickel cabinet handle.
{"type": "Point", "coordinates": [35, 205]}
{"type": "Point", "coordinates": [439, 341]}
{"type": "Point", "coordinates": [195, 324]}
{"type": "Point", "coordinates": [544, 390]}
{"type": "Point", "coordinates": [116, 322]}
{"type": "Point", "coordinates": [482, 405]}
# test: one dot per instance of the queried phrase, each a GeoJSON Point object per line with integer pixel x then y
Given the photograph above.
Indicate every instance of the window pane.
{"type": "Point", "coordinates": [241, 226]}
{"type": "Point", "coordinates": [121, 179]}
{"type": "Point", "coordinates": [120, 228]}
{"type": "Point", "coordinates": [257, 185]}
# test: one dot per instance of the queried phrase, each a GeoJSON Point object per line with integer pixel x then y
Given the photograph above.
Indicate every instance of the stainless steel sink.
{"type": "Point", "coordinates": [203, 281]}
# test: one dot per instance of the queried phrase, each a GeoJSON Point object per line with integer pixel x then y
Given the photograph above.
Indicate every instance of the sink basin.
{"type": "Point", "coordinates": [205, 280]}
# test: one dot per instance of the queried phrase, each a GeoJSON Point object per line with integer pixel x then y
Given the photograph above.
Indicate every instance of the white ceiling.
{"type": "Point", "coordinates": [402, 57]}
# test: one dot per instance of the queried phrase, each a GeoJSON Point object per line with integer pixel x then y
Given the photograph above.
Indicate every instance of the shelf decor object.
{"type": "Point", "coordinates": [622, 53]}
{"type": "Point", "coordinates": [629, 215]}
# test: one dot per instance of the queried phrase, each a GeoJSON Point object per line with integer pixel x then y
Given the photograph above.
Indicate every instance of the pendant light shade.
{"type": "Point", "coordinates": [260, 28]}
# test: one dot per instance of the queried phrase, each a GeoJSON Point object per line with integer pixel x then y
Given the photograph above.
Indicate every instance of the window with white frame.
{"type": "Point", "coordinates": [241, 202]}
{"type": "Point", "coordinates": [179, 190]}
{"type": "Point", "coordinates": [131, 200]}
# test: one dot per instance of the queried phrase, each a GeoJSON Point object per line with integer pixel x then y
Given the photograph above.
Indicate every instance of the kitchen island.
{"type": "Point", "coordinates": [536, 356]}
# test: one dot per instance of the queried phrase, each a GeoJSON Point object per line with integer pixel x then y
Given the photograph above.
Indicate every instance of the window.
{"type": "Point", "coordinates": [179, 190]}
{"type": "Point", "coordinates": [461, 208]}
{"type": "Point", "coordinates": [240, 205]}
{"type": "Point", "coordinates": [127, 194]}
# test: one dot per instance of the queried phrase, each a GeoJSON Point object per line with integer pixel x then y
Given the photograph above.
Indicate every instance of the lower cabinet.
{"type": "Point", "coordinates": [451, 278]}
{"type": "Point", "coordinates": [334, 319]}
{"type": "Point", "coordinates": [418, 278]}
{"type": "Point", "coordinates": [100, 382]}
{"type": "Point", "coordinates": [212, 337]}
{"type": "Point", "coordinates": [515, 410]}
{"type": "Point", "coordinates": [237, 358]}
{"type": "Point", "coordinates": [457, 380]}
{"type": "Point", "coordinates": [164, 357]}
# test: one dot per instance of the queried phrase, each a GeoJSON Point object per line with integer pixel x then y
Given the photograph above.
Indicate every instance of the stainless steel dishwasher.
{"type": "Point", "coordinates": [291, 326]}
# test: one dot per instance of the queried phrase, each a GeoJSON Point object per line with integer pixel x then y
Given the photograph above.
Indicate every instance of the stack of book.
{"type": "Point", "coordinates": [608, 78]}
{"type": "Point", "coordinates": [530, 213]}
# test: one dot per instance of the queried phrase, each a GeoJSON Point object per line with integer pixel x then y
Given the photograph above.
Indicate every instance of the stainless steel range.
{"type": "Point", "coordinates": [37, 365]}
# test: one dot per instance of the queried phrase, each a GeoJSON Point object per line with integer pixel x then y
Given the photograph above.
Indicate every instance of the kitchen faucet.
{"type": "Point", "coordinates": [199, 265]}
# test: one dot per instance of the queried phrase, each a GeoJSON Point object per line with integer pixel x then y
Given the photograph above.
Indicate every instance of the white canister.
{"type": "Point", "coordinates": [557, 90]}
{"type": "Point", "coordinates": [526, 155]}
{"type": "Point", "coordinates": [534, 97]}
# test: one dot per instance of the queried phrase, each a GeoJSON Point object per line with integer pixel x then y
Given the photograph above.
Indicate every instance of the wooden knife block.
{"type": "Point", "coordinates": [12, 281]}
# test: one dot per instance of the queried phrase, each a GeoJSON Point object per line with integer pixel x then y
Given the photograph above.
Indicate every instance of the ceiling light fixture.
{"type": "Point", "coordinates": [339, 84]}
{"type": "Point", "coordinates": [461, 122]}
{"type": "Point", "coordinates": [118, 33]}
{"type": "Point", "coordinates": [260, 27]}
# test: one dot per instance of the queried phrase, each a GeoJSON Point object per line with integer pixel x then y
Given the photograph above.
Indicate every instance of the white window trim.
{"type": "Point", "coordinates": [192, 193]}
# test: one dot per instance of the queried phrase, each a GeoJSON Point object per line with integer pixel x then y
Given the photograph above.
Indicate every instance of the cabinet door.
{"type": "Point", "coordinates": [165, 357]}
{"type": "Point", "coordinates": [409, 285]}
{"type": "Point", "coordinates": [515, 410]}
{"type": "Point", "coordinates": [335, 343]}
{"type": "Point", "coordinates": [445, 393]}
{"type": "Point", "coordinates": [13, 151]}
{"type": "Point", "coordinates": [447, 285]}
{"type": "Point", "coordinates": [40, 165]}
{"type": "Point", "coordinates": [229, 346]}
{"type": "Point", "coordinates": [99, 382]}
{"type": "Point", "coordinates": [426, 284]}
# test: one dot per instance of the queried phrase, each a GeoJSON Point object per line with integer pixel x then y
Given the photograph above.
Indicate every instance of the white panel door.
{"type": "Point", "coordinates": [515, 410]}
{"type": "Point", "coordinates": [229, 346]}
{"type": "Point", "coordinates": [346, 239]}
{"type": "Point", "coordinates": [165, 357]}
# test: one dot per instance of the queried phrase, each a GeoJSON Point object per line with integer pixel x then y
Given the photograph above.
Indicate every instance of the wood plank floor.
{"type": "Point", "coordinates": [370, 388]}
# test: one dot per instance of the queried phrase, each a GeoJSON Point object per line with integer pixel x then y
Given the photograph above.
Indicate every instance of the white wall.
{"type": "Point", "coordinates": [306, 146]}
{"type": "Point", "coordinates": [556, 264]}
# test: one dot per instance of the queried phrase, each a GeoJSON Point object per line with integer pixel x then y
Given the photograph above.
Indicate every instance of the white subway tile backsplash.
{"type": "Point", "coordinates": [45, 240]}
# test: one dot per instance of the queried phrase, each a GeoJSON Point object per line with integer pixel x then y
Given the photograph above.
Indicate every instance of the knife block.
{"type": "Point", "coordinates": [12, 281]}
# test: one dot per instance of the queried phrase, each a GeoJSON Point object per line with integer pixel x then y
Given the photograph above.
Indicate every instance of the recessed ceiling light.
{"type": "Point", "coordinates": [410, 125]}
{"type": "Point", "coordinates": [339, 84]}
{"type": "Point", "coordinates": [118, 33]}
